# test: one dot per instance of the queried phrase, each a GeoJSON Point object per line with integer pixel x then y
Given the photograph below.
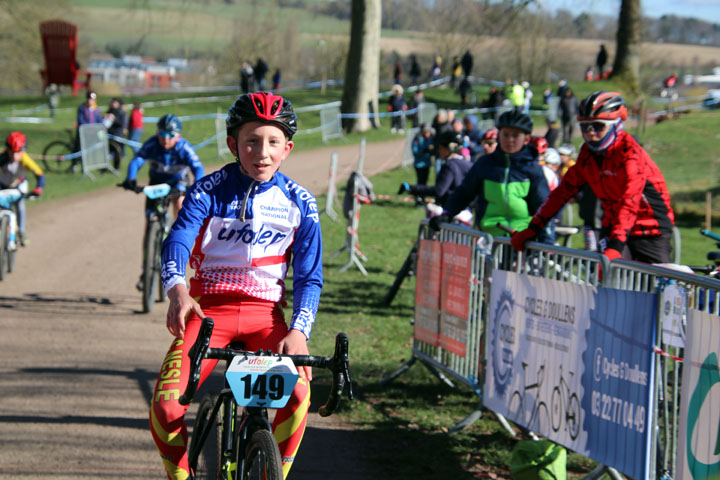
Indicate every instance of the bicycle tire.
{"type": "Point", "coordinates": [207, 465]}
{"type": "Point", "coordinates": [573, 416]}
{"type": "Point", "coordinates": [541, 423]}
{"type": "Point", "coordinates": [55, 149]}
{"type": "Point", "coordinates": [556, 409]}
{"type": "Point", "coordinates": [262, 458]}
{"type": "Point", "coordinates": [162, 295]}
{"type": "Point", "coordinates": [4, 233]}
{"type": "Point", "coordinates": [149, 276]}
{"type": "Point", "coordinates": [403, 273]}
{"type": "Point", "coordinates": [515, 408]}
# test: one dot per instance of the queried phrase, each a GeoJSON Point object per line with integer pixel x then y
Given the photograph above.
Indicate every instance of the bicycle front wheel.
{"type": "Point", "coordinates": [4, 239]}
{"type": "Point", "coordinates": [51, 154]}
{"type": "Point", "coordinates": [207, 451]}
{"type": "Point", "coordinates": [262, 458]}
{"type": "Point", "coordinates": [162, 295]}
{"type": "Point", "coordinates": [149, 276]}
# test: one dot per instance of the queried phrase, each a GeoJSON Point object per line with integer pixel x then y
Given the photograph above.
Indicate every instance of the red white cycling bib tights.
{"type": "Point", "coordinates": [259, 325]}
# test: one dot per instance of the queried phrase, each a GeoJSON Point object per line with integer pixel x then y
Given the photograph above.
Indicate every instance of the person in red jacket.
{"type": "Point", "coordinates": [638, 219]}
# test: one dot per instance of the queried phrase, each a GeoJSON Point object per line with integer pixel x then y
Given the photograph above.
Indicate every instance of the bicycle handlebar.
{"type": "Point", "coordinates": [338, 364]}
{"type": "Point", "coordinates": [710, 234]}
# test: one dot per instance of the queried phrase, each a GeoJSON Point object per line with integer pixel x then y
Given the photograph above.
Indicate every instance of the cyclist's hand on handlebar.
{"type": "Point", "coordinates": [181, 303]}
{"type": "Point", "coordinates": [129, 184]}
{"type": "Point", "coordinates": [295, 343]}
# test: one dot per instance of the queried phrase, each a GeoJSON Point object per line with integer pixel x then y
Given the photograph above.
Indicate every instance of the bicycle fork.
{"type": "Point", "coordinates": [12, 229]}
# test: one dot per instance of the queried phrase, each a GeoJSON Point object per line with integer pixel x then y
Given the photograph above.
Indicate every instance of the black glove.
{"type": "Point", "coordinates": [437, 220]}
{"type": "Point", "coordinates": [128, 184]}
{"type": "Point", "coordinates": [404, 187]}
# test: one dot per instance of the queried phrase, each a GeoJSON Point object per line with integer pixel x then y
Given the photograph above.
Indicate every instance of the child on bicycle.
{"type": "Point", "coordinates": [637, 217]}
{"type": "Point", "coordinates": [240, 228]}
{"type": "Point", "coordinates": [15, 164]}
{"type": "Point", "coordinates": [508, 185]}
{"type": "Point", "coordinates": [171, 158]}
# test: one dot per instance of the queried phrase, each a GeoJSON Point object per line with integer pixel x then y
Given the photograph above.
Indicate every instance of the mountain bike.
{"type": "Point", "coordinates": [8, 228]}
{"type": "Point", "coordinates": [714, 256]}
{"type": "Point", "coordinates": [232, 437]}
{"type": "Point", "coordinates": [157, 225]}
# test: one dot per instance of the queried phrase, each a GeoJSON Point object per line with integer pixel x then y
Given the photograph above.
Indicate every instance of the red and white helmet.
{"type": "Point", "coordinates": [540, 144]}
{"type": "Point", "coordinates": [262, 107]}
{"type": "Point", "coordinates": [602, 105]}
{"type": "Point", "coordinates": [16, 142]}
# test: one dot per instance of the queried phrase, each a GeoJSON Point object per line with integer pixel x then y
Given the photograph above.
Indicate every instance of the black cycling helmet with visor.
{"type": "Point", "coordinates": [169, 123]}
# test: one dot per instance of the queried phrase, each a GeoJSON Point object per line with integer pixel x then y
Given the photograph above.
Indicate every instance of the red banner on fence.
{"type": "Point", "coordinates": [455, 296]}
{"type": "Point", "coordinates": [427, 292]}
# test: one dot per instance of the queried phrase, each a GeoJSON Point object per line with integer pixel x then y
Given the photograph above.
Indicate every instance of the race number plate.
{"type": "Point", "coordinates": [156, 191]}
{"type": "Point", "coordinates": [262, 381]}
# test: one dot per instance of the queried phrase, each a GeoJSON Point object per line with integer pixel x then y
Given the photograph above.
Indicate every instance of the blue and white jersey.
{"type": "Point", "coordinates": [166, 166]}
{"type": "Point", "coordinates": [240, 235]}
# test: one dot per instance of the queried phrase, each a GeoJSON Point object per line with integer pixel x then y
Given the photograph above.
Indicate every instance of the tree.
{"type": "Point", "coordinates": [360, 93]}
{"type": "Point", "coordinates": [627, 52]}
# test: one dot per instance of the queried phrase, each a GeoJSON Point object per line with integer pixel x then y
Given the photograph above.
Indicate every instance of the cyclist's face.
{"type": "Point", "coordinates": [512, 139]}
{"type": "Point", "coordinates": [260, 148]}
{"type": "Point", "coordinates": [168, 139]}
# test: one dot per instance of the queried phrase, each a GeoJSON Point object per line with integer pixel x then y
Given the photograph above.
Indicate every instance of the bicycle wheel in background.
{"type": "Point", "coordinates": [149, 274]}
{"type": "Point", "coordinates": [208, 461]}
{"type": "Point", "coordinates": [262, 457]}
{"type": "Point", "coordinates": [56, 149]}
{"type": "Point", "coordinates": [4, 234]}
{"type": "Point", "coordinates": [162, 295]}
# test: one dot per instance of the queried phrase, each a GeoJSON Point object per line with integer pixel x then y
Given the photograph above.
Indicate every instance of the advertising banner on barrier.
{"type": "Point", "coordinates": [427, 292]}
{"type": "Point", "coordinates": [574, 364]}
{"type": "Point", "coordinates": [699, 439]}
{"type": "Point", "coordinates": [455, 296]}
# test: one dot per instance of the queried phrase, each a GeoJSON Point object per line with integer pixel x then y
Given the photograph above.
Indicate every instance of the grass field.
{"type": "Point", "coordinates": [414, 413]}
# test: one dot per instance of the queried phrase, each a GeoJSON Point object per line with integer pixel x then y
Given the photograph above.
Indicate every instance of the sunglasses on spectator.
{"type": "Point", "coordinates": [595, 125]}
{"type": "Point", "coordinates": [166, 134]}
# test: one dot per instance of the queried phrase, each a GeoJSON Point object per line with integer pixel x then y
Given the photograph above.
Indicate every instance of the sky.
{"type": "Point", "coordinates": [708, 10]}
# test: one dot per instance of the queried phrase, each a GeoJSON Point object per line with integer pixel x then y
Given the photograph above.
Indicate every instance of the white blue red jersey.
{"type": "Point", "coordinates": [240, 235]}
{"type": "Point", "coordinates": [166, 166]}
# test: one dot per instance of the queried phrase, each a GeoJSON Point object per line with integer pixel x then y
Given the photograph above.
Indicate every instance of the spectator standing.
{"type": "Point", "coordinates": [247, 77]}
{"type": "Point", "coordinates": [637, 217]}
{"type": "Point", "coordinates": [417, 99]}
{"type": "Point", "coordinates": [397, 104]}
{"type": "Point", "coordinates": [260, 70]}
{"type": "Point", "coordinates": [474, 136]}
{"type": "Point", "coordinates": [88, 112]}
{"type": "Point", "coordinates": [527, 97]}
{"type": "Point", "coordinates": [423, 148]}
{"type": "Point", "coordinates": [493, 103]}
{"type": "Point", "coordinates": [601, 60]}
{"type": "Point", "coordinates": [116, 123]}
{"type": "Point", "coordinates": [467, 63]}
{"type": "Point", "coordinates": [568, 109]}
{"type": "Point", "coordinates": [589, 75]}
{"type": "Point", "coordinates": [414, 69]}
{"type": "Point", "coordinates": [463, 89]}
{"type": "Point", "coordinates": [455, 71]}
{"type": "Point", "coordinates": [517, 96]}
{"type": "Point", "coordinates": [397, 73]}
{"type": "Point", "coordinates": [135, 125]}
{"type": "Point", "coordinates": [277, 76]}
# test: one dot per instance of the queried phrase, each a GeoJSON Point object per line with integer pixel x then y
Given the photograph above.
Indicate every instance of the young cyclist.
{"type": "Point", "coordinates": [14, 167]}
{"type": "Point", "coordinates": [171, 158]}
{"type": "Point", "coordinates": [637, 217]}
{"type": "Point", "coordinates": [240, 227]}
{"type": "Point", "coordinates": [509, 183]}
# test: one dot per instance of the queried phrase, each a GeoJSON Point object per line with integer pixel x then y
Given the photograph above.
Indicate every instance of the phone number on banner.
{"type": "Point", "coordinates": [619, 411]}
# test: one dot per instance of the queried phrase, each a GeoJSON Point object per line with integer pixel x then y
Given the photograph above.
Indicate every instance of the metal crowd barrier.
{"type": "Point", "coordinates": [582, 268]}
{"type": "Point", "coordinates": [701, 293]}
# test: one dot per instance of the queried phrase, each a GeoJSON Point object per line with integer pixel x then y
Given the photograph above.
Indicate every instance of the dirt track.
{"type": "Point", "coordinates": [78, 361]}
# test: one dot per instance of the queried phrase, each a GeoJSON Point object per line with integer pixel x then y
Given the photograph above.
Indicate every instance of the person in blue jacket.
{"type": "Point", "coordinates": [171, 160]}
{"type": "Point", "coordinates": [508, 185]}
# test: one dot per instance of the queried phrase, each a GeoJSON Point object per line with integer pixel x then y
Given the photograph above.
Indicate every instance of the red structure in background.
{"type": "Point", "coordinates": [59, 41]}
